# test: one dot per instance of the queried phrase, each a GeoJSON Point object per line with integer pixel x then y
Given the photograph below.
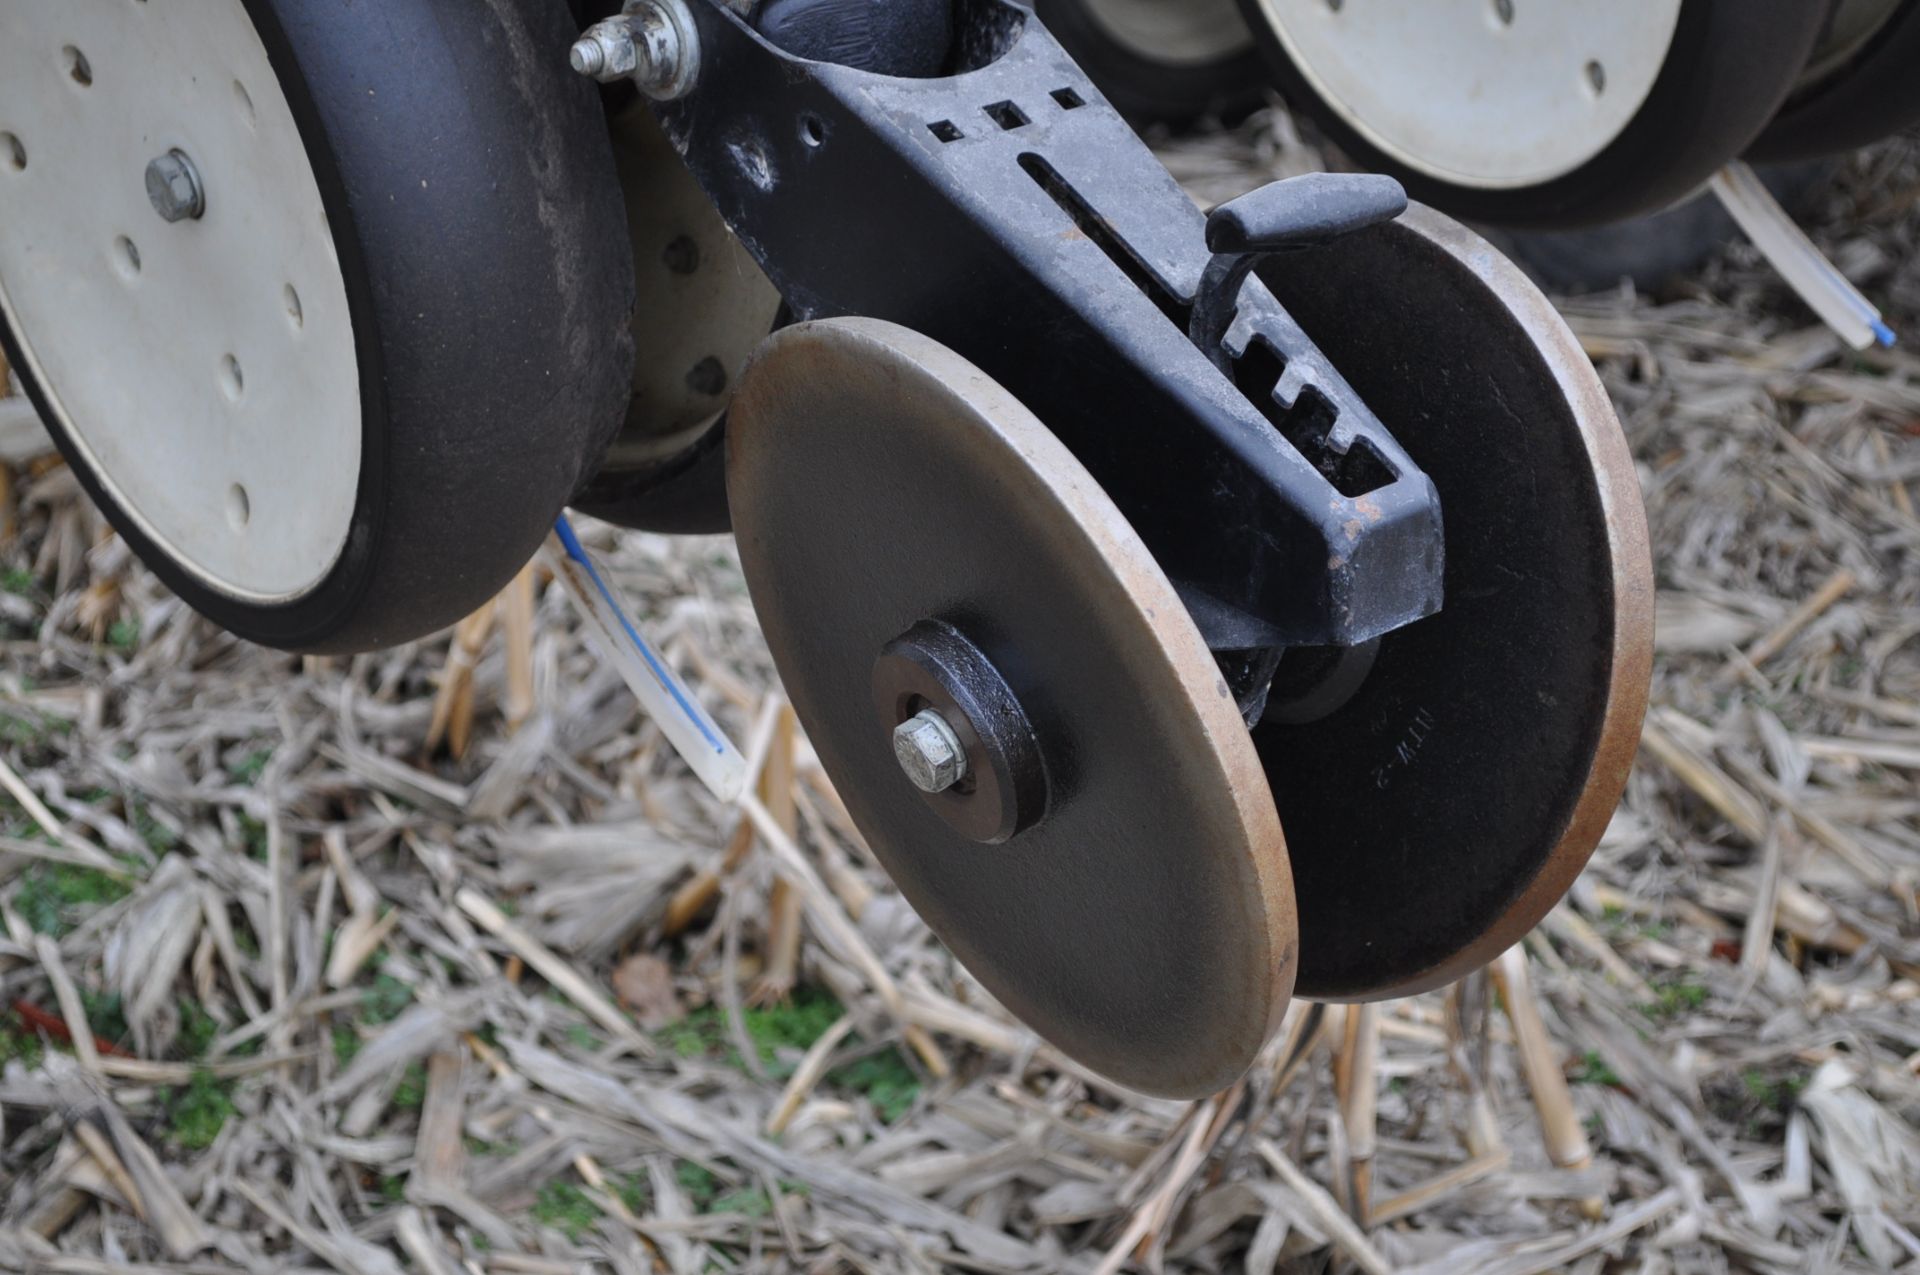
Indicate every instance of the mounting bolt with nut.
{"type": "Point", "coordinates": [930, 752]}
{"type": "Point", "coordinates": [654, 43]}
{"type": "Point", "coordinates": [173, 187]}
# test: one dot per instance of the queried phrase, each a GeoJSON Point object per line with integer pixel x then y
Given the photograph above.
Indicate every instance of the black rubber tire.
{"type": "Point", "coordinates": [1732, 64]}
{"type": "Point", "coordinates": [1149, 92]}
{"type": "Point", "coordinates": [1873, 97]}
{"type": "Point", "coordinates": [1650, 251]}
{"type": "Point", "coordinates": [469, 182]}
{"type": "Point", "coordinates": [680, 495]}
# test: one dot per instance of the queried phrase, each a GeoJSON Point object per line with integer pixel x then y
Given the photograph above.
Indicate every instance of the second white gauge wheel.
{"type": "Point", "coordinates": [1540, 113]}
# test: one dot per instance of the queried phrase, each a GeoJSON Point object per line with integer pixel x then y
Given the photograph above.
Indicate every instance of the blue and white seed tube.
{"type": "Point", "coordinates": [688, 727]}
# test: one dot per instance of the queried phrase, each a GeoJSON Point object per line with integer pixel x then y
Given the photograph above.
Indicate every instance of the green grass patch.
{"type": "Point", "coordinates": [24, 728]}
{"type": "Point", "coordinates": [249, 768]}
{"type": "Point", "coordinates": [782, 1033]}
{"type": "Point", "coordinates": [565, 1207]}
{"type": "Point", "coordinates": [199, 1029]}
{"type": "Point", "coordinates": [385, 999]}
{"type": "Point", "coordinates": [254, 834]}
{"type": "Point", "coordinates": [1757, 1102]}
{"type": "Point", "coordinates": [411, 1093]}
{"type": "Point", "coordinates": [124, 635]}
{"type": "Point", "coordinates": [160, 838]}
{"type": "Point", "coordinates": [19, 1045]}
{"type": "Point", "coordinates": [1592, 1069]}
{"type": "Point", "coordinates": [792, 1027]}
{"type": "Point", "coordinates": [55, 897]}
{"type": "Point", "coordinates": [1780, 1093]}
{"type": "Point", "coordinates": [106, 1015]}
{"type": "Point", "coordinates": [346, 1045]}
{"type": "Point", "coordinates": [884, 1079]}
{"type": "Point", "coordinates": [748, 1202]}
{"type": "Point", "coordinates": [480, 1146]}
{"type": "Point", "coordinates": [197, 1113]}
{"type": "Point", "coordinates": [1676, 998]}
{"type": "Point", "coordinates": [635, 1191]}
{"type": "Point", "coordinates": [698, 1182]}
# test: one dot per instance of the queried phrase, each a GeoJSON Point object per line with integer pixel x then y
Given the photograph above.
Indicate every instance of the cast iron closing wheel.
{"type": "Point", "coordinates": [1436, 817]}
{"type": "Point", "coordinates": [1540, 113]}
{"type": "Point", "coordinates": [325, 302]}
{"type": "Point", "coordinates": [1162, 61]}
{"type": "Point", "coordinates": [1110, 866]}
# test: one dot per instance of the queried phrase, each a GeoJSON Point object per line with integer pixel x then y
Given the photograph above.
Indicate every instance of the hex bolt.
{"type": "Point", "coordinates": [654, 43]}
{"type": "Point", "coordinates": [930, 752]}
{"type": "Point", "coordinates": [607, 52]}
{"type": "Point", "coordinates": [173, 187]}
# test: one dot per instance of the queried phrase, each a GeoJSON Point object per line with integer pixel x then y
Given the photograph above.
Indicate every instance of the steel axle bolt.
{"type": "Point", "coordinates": [173, 186]}
{"type": "Point", "coordinates": [607, 52]}
{"type": "Point", "coordinates": [930, 752]}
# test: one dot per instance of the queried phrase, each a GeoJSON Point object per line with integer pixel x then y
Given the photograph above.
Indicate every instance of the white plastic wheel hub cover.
{"type": "Point", "coordinates": [206, 367]}
{"type": "Point", "coordinates": [1174, 32]}
{"type": "Point", "coordinates": [1493, 94]}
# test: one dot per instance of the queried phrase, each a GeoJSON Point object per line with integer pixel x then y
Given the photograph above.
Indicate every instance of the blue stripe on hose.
{"type": "Point", "coordinates": [578, 553]}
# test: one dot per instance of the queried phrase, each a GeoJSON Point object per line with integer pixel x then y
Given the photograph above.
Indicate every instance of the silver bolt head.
{"type": "Point", "coordinates": [173, 187]}
{"type": "Point", "coordinates": [930, 752]}
{"type": "Point", "coordinates": [607, 52]}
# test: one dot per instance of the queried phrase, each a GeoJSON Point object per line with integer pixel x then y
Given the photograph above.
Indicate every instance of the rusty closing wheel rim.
{"type": "Point", "coordinates": [1143, 922]}
{"type": "Point", "coordinates": [1438, 816]}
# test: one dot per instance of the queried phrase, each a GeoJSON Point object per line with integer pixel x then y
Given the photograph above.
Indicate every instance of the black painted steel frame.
{"type": "Point", "coordinates": [1007, 211]}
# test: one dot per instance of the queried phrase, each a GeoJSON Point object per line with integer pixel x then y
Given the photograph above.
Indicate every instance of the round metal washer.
{"type": "Point", "coordinates": [1145, 924]}
{"type": "Point", "coordinates": [1438, 816]}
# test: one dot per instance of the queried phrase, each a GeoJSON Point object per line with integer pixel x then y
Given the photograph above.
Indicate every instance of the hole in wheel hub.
{"type": "Point", "coordinates": [79, 70]}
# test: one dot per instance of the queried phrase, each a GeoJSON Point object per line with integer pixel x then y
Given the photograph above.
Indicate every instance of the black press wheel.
{"type": "Point", "coordinates": [325, 302]}
{"type": "Point", "coordinates": [1162, 61]}
{"type": "Point", "coordinates": [1867, 90]}
{"type": "Point", "coordinates": [1523, 113]}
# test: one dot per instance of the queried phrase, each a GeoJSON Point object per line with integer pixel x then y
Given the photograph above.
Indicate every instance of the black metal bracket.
{"type": "Point", "coordinates": [1006, 210]}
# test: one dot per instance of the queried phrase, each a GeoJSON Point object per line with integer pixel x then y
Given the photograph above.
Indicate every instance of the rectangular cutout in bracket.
{"type": "Point", "coordinates": [1069, 99]}
{"type": "Point", "coordinates": [946, 131]}
{"type": "Point", "coordinates": [1008, 116]}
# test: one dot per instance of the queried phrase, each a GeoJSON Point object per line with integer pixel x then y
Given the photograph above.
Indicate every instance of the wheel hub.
{"type": "Point", "coordinates": [174, 190]}
{"type": "Point", "coordinates": [932, 679]}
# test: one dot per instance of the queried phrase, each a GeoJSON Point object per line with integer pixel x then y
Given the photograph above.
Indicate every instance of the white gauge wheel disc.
{"type": "Point", "coordinates": [205, 369]}
{"type": "Point", "coordinates": [1491, 94]}
{"type": "Point", "coordinates": [1174, 32]}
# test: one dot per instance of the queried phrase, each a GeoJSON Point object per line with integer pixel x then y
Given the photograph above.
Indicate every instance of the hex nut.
{"type": "Point", "coordinates": [930, 753]}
